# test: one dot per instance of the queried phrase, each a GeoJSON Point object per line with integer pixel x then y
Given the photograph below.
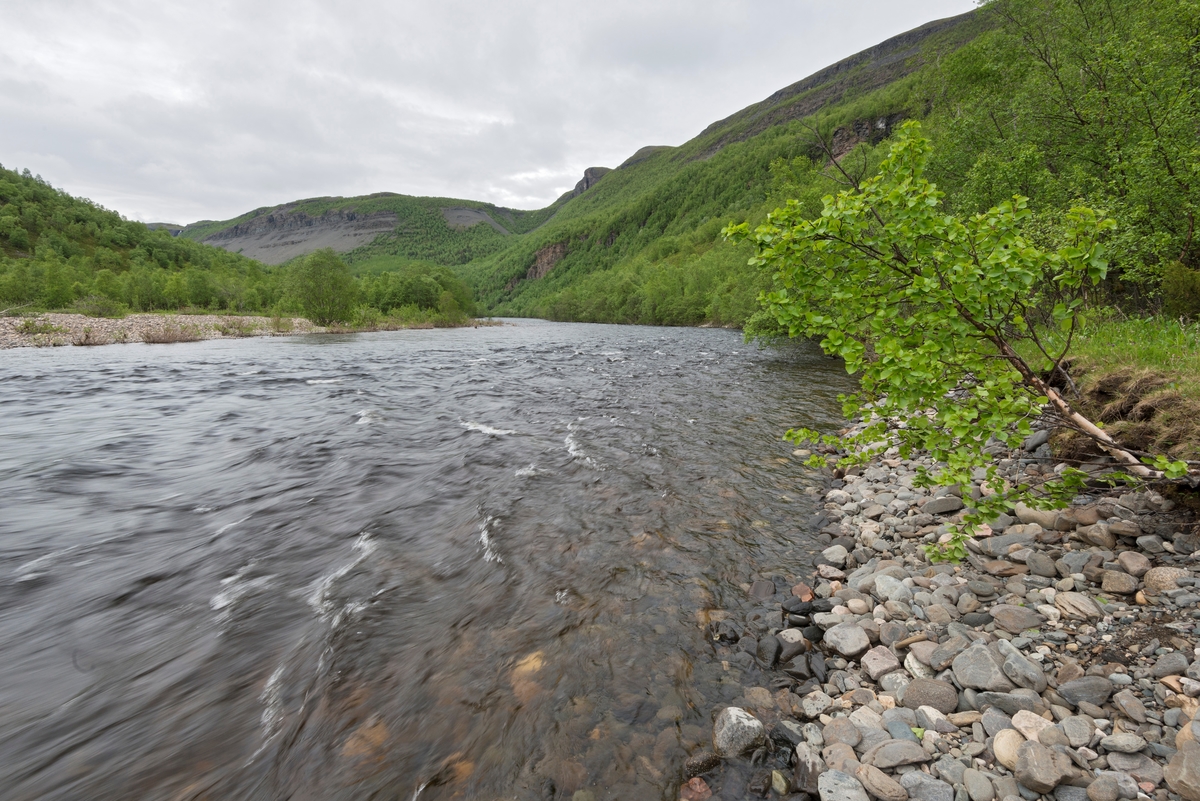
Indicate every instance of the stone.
{"type": "Point", "coordinates": [1005, 745]}
{"type": "Point", "coordinates": [1117, 582]}
{"type": "Point", "coordinates": [1092, 689]}
{"type": "Point", "coordinates": [836, 555]}
{"type": "Point", "coordinates": [923, 787]}
{"type": "Point", "coordinates": [1065, 792]}
{"type": "Point", "coordinates": [780, 783]}
{"type": "Point", "coordinates": [1030, 724]}
{"type": "Point", "coordinates": [1160, 579]}
{"type": "Point", "coordinates": [879, 784]}
{"type": "Point", "coordinates": [866, 718]}
{"type": "Point", "coordinates": [700, 763]}
{"type": "Point", "coordinates": [976, 668]}
{"type": "Point", "coordinates": [1125, 742]}
{"type": "Point", "coordinates": [768, 651]}
{"type": "Point", "coordinates": [759, 698]}
{"type": "Point", "coordinates": [815, 704]}
{"type": "Point", "coordinates": [1041, 565]}
{"type": "Point", "coordinates": [833, 785]}
{"type": "Point", "coordinates": [1079, 730]}
{"type": "Point", "coordinates": [950, 770]}
{"type": "Point", "coordinates": [1052, 736]}
{"type": "Point", "coordinates": [1172, 664]}
{"type": "Point", "coordinates": [1133, 563]}
{"type": "Point", "coordinates": [1077, 606]}
{"type": "Point", "coordinates": [1139, 766]}
{"type": "Point", "coordinates": [1024, 673]}
{"type": "Point", "coordinates": [848, 639]}
{"type": "Point", "coordinates": [1041, 769]}
{"type": "Point", "coordinates": [899, 752]}
{"type": "Point", "coordinates": [807, 768]}
{"type": "Point", "coordinates": [1104, 789]}
{"type": "Point", "coordinates": [931, 719]}
{"type": "Point", "coordinates": [695, 789]}
{"type": "Point", "coordinates": [1015, 619]}
{"type": "Point", "coordinates": [942, 506]}
{"type": "Point", "coordinates": [736, 731]}
{"type": "Point", "coordinates": [940, 655]}
{"type": "Point", "coordinates": [890, 588]}
{"type": "Point", "coordinates": [994, 721]}
{"type": "Point", "coordinates": [792, 644]}
{"type": "Point", "coordinates": [899, 730]}
{"type": "Point", "coordinates": [840, 756]}
{"type": "Point", "coordinates": [879, 661]}
{"type": "Point", "coordinates": [1130, 706]}
{"type": "Point", "coordinates": [1011, 703]}
{"type": "Point", "coordinates": [842, 730]}
{"type": "Point", "coordinates": [936, 693]}
{"type": "Point", "coordinates": [979, 787]}
{"type": "Point", "coordinates": [1183, 772]}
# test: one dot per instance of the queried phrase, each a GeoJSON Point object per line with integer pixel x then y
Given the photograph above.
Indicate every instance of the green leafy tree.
{"type": "Point", "coordinates": [934, 312]}
{"type": "Point", "coordinates": [324, 288]}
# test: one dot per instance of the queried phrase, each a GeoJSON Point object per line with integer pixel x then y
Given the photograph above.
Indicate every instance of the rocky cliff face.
{"type": "Point", "coordinates": [280, 234]}
{"type": "Point", "coordinates": [590, 176]}
{"type": "Point", "coordinates": [544, 261]}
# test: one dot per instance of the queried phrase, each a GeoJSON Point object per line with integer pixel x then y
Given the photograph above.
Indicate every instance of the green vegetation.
{"type": "Point", "coordinates": [57, 251]}
{"type": "Point", "coordinates": [324, 288]}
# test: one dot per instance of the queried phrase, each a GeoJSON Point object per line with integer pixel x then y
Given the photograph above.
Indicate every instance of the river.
{"type": "Point", "coordinates": [470, 563]}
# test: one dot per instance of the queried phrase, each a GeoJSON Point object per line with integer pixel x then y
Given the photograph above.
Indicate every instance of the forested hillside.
{"type": "Point", "coordinates": [59, 252]}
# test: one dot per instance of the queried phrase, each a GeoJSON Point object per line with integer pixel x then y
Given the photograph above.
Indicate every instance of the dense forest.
{"type": "Point", "coordinates": [61, 252]}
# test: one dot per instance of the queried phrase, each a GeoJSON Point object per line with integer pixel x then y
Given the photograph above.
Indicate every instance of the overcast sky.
{"type": "Point", "coordinates": [180, 111]}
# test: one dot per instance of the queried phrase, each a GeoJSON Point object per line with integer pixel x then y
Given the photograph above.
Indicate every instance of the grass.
{"type": "Point", "coordinates": [172, 331]}
{"type": "Point", "coordinates": [1139, 377]}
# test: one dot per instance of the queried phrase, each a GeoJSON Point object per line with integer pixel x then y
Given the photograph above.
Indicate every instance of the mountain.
{"type": "Point", "coordinates": [664, 203]}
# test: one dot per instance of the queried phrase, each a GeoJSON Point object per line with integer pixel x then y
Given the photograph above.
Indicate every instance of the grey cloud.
{"type": "Point", "coordinates": [184, 111]}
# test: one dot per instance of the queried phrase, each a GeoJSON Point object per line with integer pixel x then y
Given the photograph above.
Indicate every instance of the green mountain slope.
{"type": "Point", "coordinates": [57, 250]}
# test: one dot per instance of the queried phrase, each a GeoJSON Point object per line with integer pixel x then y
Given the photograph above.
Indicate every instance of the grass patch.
{"type": "Point", "coordinates": [34, 326]}
{"type": "Point", "coordinates": [1139, 377]}
{"type": "Point", "coordinates": [89, 337]}
{"type": "Point", "coordinates": [237, 327]}
{"type": "Point", "coordinates": [172, 331]}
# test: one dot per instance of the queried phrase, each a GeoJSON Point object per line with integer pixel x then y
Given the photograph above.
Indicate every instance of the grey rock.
{"type": "Point", "coordinates": [899, 730]}
{"type": "Point", "coordinates": [1041, 769]}
{"type": "Point", "coordinates": [833, 785]}
{"type": "Point", "coordinates": [950, 769]}
{"type": "Point", "coordinates": [1041, 565]}
{"type": "Point", "coordinates": [1134, 563]}
{"type": "Point", "coordinates": [1079, 730]}
{"type": "Point", "coordinates": [930, 718]}
{"type": "Point", "coordinates": [1129, 704]}
{"type": "Point", "coordinates": [1024, 673]}
{"type": "Point", "coordinates": [976, 668]}
{"type": "Point", "coordinates": [736, 731]}
{"type": "Point", "coordinates": [943, 654]}
{"type": "Point", "coordinates": [1052, 736]}
{"type": "Point", "coordinates": [1015, 619]}
{"type": "Point", "coordinates": [1091, 689]}
{"type": "Point", "coordinates": [1011, 702]}
{"type": "Point", "coordinates": [842, 730]}
{"type": "Point", "coordinates": [1066, 792]}
{"type": "Point", "coordinates": [1118, 582]}
{"type": "Point", "coordinates": [1172, 664]}
{"type": "Point", "coordinates": [1183, 772]}
{"type": "Point", "coordinates": [899, 752]}
{"type": "Point", "coordinates": [943, 505]}
{"type": "Point", "coordinates": [1125, 742]}
{"type": "Point", "coordinates": [994, 720]}
{"type": "Point", "coordinates": [808, 767]}
{"type": "Point", "coordinates": [1139, 766]}
{"type": "Point", "coordinates": [1103, 789]}
{"type": "Point", "coordinates": [879, 661]}
{"type": "Point", "coordinates": [848, 639]}
{"type": "Point", "coordinates": [924, 787]}
{"type": "Point", "coordinates": [879, 784]}
{"type": "Point", "coordinates": [815, 704]}
{"type": "Point", "coordinates": [938, 694]}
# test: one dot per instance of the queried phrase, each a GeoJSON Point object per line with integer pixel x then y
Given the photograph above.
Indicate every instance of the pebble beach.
{"type": "Point", "coordinates": [1058, 661]}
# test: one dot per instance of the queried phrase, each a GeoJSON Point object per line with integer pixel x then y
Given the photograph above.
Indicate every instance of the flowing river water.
{"type": "Point", "coordinates": [472, 564]}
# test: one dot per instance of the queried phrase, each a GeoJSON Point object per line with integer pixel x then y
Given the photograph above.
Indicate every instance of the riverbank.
{"type": "Point", "coordinates": [55, 330]}
{"type": "Point", "coordinates": [1059, 660]}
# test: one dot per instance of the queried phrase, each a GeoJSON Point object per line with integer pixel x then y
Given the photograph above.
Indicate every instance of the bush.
{"type": "Point", "coordinates": [324, 288]}
{"type": "Point", "coordinates": [100, 306]}
{"type": "Point", "coordinates": [1181, 292]}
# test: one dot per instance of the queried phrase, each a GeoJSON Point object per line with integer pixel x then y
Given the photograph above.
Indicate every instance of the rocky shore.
{"type": "Point", "coordinates": [52, 330]}
{"type": "Point", "coordinates": [1059, 661]}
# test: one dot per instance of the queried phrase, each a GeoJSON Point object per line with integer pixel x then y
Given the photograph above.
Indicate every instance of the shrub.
{"type": "Point", "coordinates": [100, 306]}
{"type": "Point", "coordinates": [1181, 292]}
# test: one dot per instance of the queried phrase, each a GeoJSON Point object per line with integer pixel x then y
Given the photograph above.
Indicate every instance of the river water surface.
{"type": "Point", "coordinates": [468, 564]}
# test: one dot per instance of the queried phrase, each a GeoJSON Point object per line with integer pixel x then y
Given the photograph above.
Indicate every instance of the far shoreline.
{"type": "Point", "coordinates": [55, 329]}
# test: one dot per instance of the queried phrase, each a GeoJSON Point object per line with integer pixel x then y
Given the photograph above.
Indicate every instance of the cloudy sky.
{"type": "Point", "coordinates": [181, 111]}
